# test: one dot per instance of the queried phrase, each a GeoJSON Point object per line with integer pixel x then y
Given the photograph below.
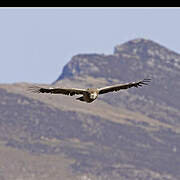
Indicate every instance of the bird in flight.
{"type": "Point", "coordinates": [89, 94]}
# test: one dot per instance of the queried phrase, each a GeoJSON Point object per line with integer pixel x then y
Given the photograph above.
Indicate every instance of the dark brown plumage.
{"type": "Point", "coordinates": [90, 94]}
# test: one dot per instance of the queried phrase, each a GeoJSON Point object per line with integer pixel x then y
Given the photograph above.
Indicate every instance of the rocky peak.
{"type": "Point", "coordinates": [82, 65]}
{"type": "Point", "coordinates": [144, 48]}
{"type": "Point", "coordinates": [133, 46]}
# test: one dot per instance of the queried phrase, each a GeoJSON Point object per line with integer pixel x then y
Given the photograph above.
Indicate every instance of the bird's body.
{"type": "Point", "coordinates": [90, 94]}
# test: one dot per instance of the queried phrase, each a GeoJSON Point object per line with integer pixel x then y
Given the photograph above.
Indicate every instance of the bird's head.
{"type": "Point", "coordinates": [93, 95]}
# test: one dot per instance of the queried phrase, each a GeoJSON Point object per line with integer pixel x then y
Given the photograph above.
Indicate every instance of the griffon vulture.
{"type": "Point", "coordinates": [89, 94]}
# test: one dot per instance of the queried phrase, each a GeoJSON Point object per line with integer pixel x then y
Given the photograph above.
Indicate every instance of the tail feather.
{"type": "Point", "coordinates": [80, 98]}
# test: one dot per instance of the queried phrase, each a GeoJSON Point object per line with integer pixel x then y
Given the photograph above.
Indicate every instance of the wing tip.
{"type": "Point", "coordinates": [34, 89]}
{"type": "Point", "coordinates": [145, 81]}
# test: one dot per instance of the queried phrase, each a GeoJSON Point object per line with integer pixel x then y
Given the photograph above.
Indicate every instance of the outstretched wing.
{"type": "Point", "coordinates": [123, 86]}
{"type": "Point", "coordinates": [65, 91]}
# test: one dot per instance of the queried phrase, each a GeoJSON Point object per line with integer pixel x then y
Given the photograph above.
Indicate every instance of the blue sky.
{"type": "Point", "coordinates": [35, 43]}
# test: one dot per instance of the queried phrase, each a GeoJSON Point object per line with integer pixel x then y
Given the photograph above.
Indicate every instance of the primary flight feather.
{"type": "Point", "coordinates": [90, 94]}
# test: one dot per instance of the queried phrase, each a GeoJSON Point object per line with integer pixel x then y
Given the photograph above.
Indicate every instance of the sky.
{"type": "Point", "coordinates": [36, 43]}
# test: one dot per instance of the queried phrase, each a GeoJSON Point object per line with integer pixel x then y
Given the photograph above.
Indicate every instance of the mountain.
{"type": "Point", "coordinates": [131, 134]}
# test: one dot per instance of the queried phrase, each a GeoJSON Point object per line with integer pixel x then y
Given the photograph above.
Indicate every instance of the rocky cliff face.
{"type": "Point", "coordinates": [132, 134]}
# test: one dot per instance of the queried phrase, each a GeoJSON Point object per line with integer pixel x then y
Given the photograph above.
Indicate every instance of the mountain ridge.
{"type": "Point", "coordinates": [129, 49]}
